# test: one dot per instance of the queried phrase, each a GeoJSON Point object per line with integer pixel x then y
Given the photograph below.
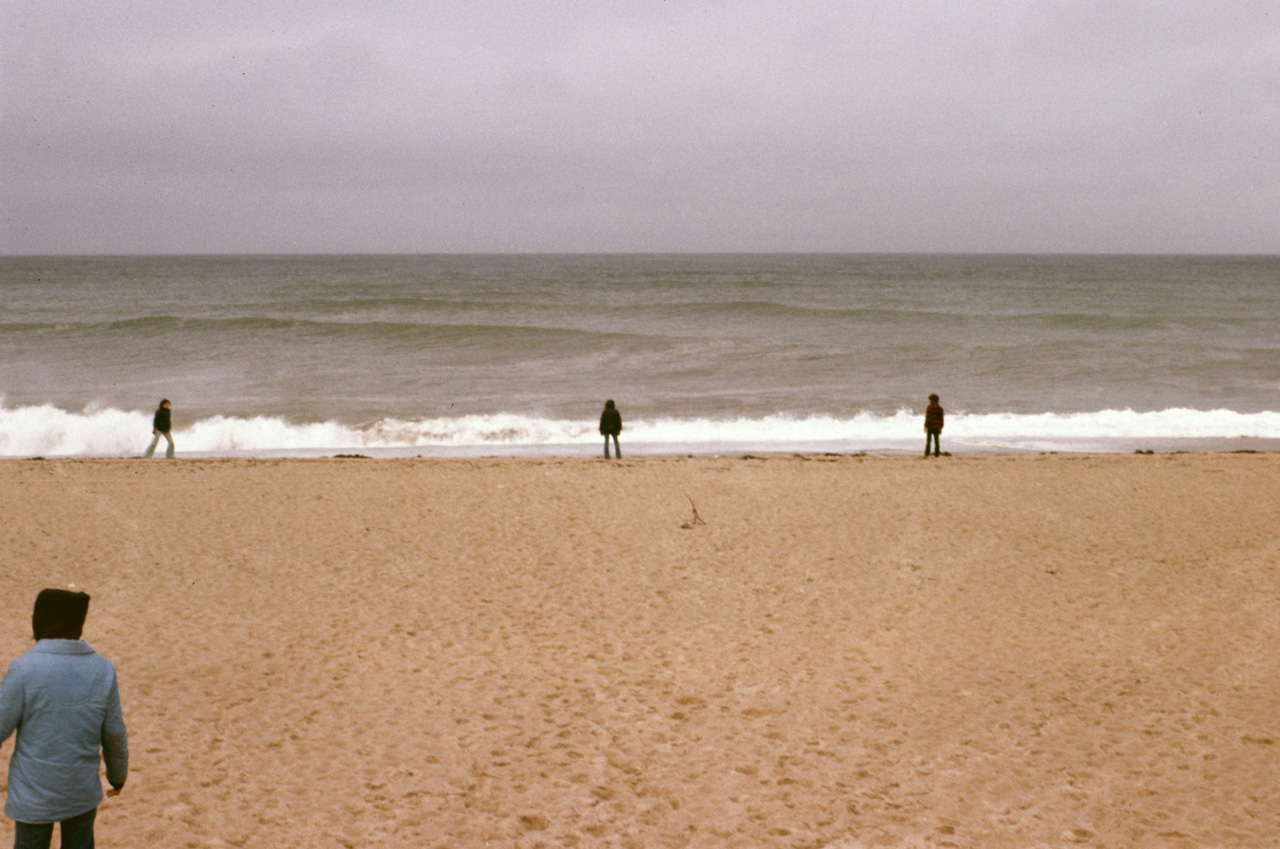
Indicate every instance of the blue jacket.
{"type": "Point", "coordinates": [62, 699]}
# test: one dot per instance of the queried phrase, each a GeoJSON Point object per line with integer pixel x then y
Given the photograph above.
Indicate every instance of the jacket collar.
{"type": "Point", "coordinates": [62, 647]}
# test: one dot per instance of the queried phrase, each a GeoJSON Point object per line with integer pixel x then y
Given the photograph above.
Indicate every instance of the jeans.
{"type": "Point", "coordinates": [936, 437]}
{"type": "Point", "coordinates": [77, 833]}
{"type": "Point", "coordinates": [616, 450]}
{"type": "Point", "coordinates": [155, 440]}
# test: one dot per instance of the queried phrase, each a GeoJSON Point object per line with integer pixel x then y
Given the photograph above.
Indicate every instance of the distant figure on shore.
{"type": "Point", "coordinates": [611, 425]}
{"type": "Point", "coordinates": [62, 699]}
{"type": "Point", "coordinates": [160, 427]}
{"type": "Point", "coordinates": [933, 426]}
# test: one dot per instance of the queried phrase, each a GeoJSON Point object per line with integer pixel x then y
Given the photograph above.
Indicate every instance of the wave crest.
{"type": "Point", "coordinates": [49, 431]}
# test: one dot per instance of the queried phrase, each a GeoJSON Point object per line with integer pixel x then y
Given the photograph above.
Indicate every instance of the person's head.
{"type": "Point", "coordinates": [59, 614]}
{"type": "Point", "coordinates": [165, 403]}
{"type": "Point", "coordinates": [608, 405]}
{"type": "Point", "coordinates": [933, 399]}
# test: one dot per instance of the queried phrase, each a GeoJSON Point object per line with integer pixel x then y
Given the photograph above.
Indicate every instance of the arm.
{"type": "Point", "coordinates": [115, 741]}
{"type": "Point", "coordinates": [11, 704]}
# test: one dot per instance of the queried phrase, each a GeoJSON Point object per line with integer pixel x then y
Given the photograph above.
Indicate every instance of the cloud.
{"type": "Point", "coordinates": [144, 127]}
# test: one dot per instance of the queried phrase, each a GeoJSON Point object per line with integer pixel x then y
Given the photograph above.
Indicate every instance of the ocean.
{"type": "Point", "coordinates": [704, 354]}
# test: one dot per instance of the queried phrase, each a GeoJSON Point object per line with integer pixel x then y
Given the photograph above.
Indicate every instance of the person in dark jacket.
{"type": "Point", "coordinates": [62, 699]}
{"type": "Point", "coordinates": [160, 427]}
{"type": "Point", "coordinates": [611, 425]}
{"type": "Point", "coordinates": [933, 426]}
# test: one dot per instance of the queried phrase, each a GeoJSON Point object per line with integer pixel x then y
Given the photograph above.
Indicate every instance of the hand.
{"type": "Point", "coordinates": [114, 791]}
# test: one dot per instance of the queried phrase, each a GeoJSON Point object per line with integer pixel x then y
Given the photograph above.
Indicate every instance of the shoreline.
{"type": "Point", "coordinates": [831, 650]}
{"type": "Point", "coordinates": [1164, 445]}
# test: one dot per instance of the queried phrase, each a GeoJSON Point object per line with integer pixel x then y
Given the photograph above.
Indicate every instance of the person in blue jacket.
{"type": "Point", "coordinates": [62, 699]}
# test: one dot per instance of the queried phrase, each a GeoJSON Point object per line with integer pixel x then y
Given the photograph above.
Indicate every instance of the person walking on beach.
{"type": "Point", "coordinates": [160, 427]}
{"type": "Point", "coordinates": [611, 425]}
{"type": "Point", "coordinates": [62, 699]}
{"type": "Point", "coordinates": [933, 426]}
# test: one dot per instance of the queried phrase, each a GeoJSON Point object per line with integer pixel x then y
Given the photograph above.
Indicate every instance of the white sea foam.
{"type": "Point", "coordinates": [49, 431]}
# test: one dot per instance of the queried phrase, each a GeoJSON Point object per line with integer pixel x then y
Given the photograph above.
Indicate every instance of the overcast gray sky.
{"type": "Point", "coordinates": [744, 125]}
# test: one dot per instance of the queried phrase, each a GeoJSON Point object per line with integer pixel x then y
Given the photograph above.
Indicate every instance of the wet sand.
{"type": "Point", "coordinates": [845, 652]}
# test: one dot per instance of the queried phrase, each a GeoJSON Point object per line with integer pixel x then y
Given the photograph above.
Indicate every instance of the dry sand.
{"type": "Point", "coordinates": [849, 652]}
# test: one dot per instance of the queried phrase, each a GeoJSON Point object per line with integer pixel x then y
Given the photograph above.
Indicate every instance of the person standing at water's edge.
{"type": "Point", "coordinates": [63, 700]}
{"type": "Point", "coordinates": [160, 427]}
{"type": "Point", "coordinates": [933, 416]}
{"type": "Point", "coordinates": [611, 425]}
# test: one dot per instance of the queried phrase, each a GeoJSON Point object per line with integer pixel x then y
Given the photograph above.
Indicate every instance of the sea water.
{"type": "Point", "coordinates": [514, 354]}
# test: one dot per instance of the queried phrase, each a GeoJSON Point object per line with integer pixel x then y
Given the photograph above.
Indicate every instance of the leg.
{"type": "Point", "coordinates": [151, 449]}
{"type": "Point", "coordinates": [928, 437]}
{"type": "Point", "coordinates": [77, 832]}
{"type": "Point", "coordinates": [606, 446]}
{"type": "Point", "coordinates": [168, 452]}
{"type": "Point", "coordinates": [937, 443]}
{"type": "Point", "coordinates": [28, 835]}
{"type": "Point", "coordinates": [617, 450]}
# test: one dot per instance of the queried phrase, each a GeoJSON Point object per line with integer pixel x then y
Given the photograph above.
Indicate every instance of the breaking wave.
{"type": "Point", "coordinates": [49, 431]}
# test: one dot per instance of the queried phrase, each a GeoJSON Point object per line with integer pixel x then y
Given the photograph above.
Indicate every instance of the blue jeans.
{"type": "Point", "coordinates": [934, 436]}
{"type": "Point", "coordinates": [155, 440]}
{"type": "Point", "coordinates": [77, 833]}
{"type": "Point", "coordinates": [616, 450]}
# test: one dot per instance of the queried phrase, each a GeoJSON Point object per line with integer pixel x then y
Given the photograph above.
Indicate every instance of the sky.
{"type": "Point", "coordinates": [642, 126]}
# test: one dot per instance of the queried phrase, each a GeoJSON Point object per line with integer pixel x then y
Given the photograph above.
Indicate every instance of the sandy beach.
{"type": "Point", "coordinates": [844, 652]}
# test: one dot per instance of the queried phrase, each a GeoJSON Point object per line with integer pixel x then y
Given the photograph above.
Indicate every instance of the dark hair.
{"type": "Point", "coordinates": [608, 405]}
{"type": "Point", "coordinates": [164, 401]}
{"type": "Point", "coordinates": [59, 615]}
{"type": "Point", "coordinates": [934, 398]}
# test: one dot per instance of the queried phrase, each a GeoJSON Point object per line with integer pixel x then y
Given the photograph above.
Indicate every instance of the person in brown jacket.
{"type": "Point", "coordinates": [933, 426]}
